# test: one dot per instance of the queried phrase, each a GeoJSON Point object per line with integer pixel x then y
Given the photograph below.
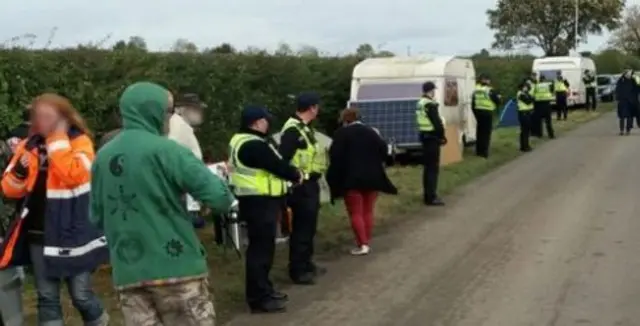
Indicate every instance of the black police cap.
{"type": "Point", "coordinates": [428, 86]}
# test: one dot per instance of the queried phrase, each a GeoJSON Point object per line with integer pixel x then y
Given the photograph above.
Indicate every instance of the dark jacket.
{"type": "Point", "coordinates": [626, 93]}
{"type": "Point", "coordinates": [107, 137]}
{"type": "Point", "coordinates": [357, 157]}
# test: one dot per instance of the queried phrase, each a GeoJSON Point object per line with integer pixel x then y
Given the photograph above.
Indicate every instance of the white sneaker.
{"type": "Point", "coordinates": [361, 251]}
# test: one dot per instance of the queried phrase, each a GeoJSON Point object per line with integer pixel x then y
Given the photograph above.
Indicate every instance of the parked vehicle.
{"type": "Point", "coordinates": [607, 87]}
{"type": "Point", "coordinates": [572, 69]}
{"type": "Point", "coordinates": [386, 91]}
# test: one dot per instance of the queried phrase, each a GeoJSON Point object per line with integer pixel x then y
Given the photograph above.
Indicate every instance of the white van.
{"type": "Point", "coordinates": [386, 91]}
{"type": "Point", "coordinates": [572, 69]}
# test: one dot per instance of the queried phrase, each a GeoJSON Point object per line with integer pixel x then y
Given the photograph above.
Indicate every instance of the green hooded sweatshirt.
{"type": "Point", "coordinates": [137, 189]}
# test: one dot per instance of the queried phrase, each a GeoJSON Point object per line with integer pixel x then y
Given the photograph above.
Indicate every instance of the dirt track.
{"type": "Point", "coordinates": [551, 239]}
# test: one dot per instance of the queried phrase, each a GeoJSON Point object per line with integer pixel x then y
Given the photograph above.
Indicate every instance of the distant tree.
{"type": "Point", "coordinates": [255, 50]}
{"type": "Point", "coordinates": [134, 43]}
{"type": "Point", "coordinates": [284, 49]}
{"type": "Point", "coordinates": [365, 50]}
{"type": "Point", "coordinates": [224, 48]}
{"type": "Point", "coordinates": [627, 38]}
{"type": "Point", "coordinates": [549, 25]}
{"type": "Point", "coordinates": [586, 54]}
{"type": "Point", "coordinates": [385, 53]}
{"type": "Point", "coordinates": [308, 51]}
{"type": "Point", "coordinates": [184, 46]}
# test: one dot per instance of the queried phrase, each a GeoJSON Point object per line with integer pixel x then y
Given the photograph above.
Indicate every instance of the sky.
{"type": "Point", "coordinates": [450, 27]}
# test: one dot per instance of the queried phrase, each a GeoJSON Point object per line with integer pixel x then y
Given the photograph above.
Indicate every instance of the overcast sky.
{"type": "Point", "coordinates": [337, 26]}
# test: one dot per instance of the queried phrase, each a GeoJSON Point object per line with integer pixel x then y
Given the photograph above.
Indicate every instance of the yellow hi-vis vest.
{"type": "Point", "coordinates": [542, 92]}
{"type": "Point", "coordinates": [636, 78]}
{"type": "Point", "coordinates": [592, 84]}
{"type": "Point", "coordinates": [559, 86]}
{"type": "Point", "coordinates": [482, 99]}
{"type": "Point", "coordinates": [246, 181]}
{"type": "Point", "coordinates": [532, 86]}
{"type": "Point", "coordinates": [312, 159]}
{"type": "Point", "coordinates": [422, 119]}
{"type": "Point", "coordinates": [522, 106]}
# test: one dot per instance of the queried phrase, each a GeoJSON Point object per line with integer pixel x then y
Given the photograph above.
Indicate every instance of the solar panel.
{"type": "Point", "coordinates": [396, 120]}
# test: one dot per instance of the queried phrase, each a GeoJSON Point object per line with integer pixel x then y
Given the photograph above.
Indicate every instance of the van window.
{"type": "Point", "coordinates": [389, 91]}
{"type": "Point", "coordinates": [549, 74]}
{"type": "Point", "coordinates": [451, 92]}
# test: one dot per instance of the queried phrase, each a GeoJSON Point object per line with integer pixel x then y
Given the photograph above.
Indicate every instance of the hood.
{"type": "Point", "coordinates": [143, 106]}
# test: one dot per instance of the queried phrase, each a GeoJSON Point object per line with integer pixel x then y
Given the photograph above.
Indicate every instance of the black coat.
{"type": "Point", "coordinates": [357, 157]}
{"type": "Point", "coordinates": [627, 96]}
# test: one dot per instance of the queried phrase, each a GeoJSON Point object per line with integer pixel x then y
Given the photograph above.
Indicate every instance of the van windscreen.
{"type": "Point", "coordinates": [369, 92]}
{"type": "Point", "coordinates": [549, 74]}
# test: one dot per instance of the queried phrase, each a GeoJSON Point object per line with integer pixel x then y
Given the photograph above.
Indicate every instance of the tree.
{"type": "Point", "coordinates": [134, 43]}
{"type": "Point", "coordinates": [224, 48]}
{"type": "Point", "coordinates": [284, 49]}
{"type": "Point", "coordinates": [184, 46]}
{"type": "Point", "coordinates": [308, 51]}
{"type": "Point", "coordinates": [549, 25]}
{"type": "Point", "coordinates": [365, 50]}
{"type": "Point", "coordinates": [385, 53]}
{"type": "Point", "coordinates": [627, 38]}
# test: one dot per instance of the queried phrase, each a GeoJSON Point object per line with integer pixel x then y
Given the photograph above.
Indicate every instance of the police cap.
{"type": "Point", "coordinates": [253, 113]}
{"type": "Point", "coordinates": [428, 86]}
{"type": "Point", "coordinates": [306, 100]}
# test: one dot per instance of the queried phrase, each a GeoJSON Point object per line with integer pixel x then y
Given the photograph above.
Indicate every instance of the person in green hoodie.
{"type": "Point", "coordinates": [139, 181]}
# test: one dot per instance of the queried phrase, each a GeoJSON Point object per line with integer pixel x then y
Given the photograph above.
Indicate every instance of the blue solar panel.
{"type": "Point", "coordinates": [396, 120]}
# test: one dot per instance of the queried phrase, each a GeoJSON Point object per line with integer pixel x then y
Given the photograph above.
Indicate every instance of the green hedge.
{"type": "Point", "coordinates": [93, 79]}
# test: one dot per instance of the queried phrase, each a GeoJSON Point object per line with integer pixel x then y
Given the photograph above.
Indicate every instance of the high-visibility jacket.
{"type": "Point", "coordinates": [71, 243]}
{"type": "Point", "coordinates": [559, 86]}
{"type": "Point", "coordinates": [532, 86]}
{"type": "Point", "coordinates": [482, 98]}
{"type": "Point", "coordinates": [522, 106]}
{"type": "Point", "coordinates": [591, 84]}
{"type": "Point", "coordinates": [312, 159]}
{"type": "Point", "coordinates": [422, 119]}
{"type": "Point", "coordinates": [542, 92]}
{"type": "Point", "coordinates": [246, 181]}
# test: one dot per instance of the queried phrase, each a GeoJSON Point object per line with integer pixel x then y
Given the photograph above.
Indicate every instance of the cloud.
{"type": "Point", "coordinates": [452, 27]}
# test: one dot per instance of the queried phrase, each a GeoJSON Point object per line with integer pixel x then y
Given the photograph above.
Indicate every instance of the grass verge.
{"type": "Point", "coordinates": [334, 232]}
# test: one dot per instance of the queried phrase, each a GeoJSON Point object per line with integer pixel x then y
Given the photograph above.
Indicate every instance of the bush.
{"type": "Point", "coordinates": [93, 79]}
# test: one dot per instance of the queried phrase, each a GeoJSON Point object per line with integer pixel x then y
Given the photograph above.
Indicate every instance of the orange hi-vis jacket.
{"type": "Point", "coordinates": [72, 244]}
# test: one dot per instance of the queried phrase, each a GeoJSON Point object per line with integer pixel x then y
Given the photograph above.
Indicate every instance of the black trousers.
{"type": "Point", "coordinates": [483, 132]}
{"type": "Point", "coordinates": [592, 99]}
{"type": "Point", "coordinates": [542, 115]}
{"type": "Point", "coordinates": [431, 167]}
{"type": "Point", "coordinates": [304, 202]}
{"type": "Point", "coordinates": [562, 110]}
{"type": "Point", "coordinates": [524, 117]}
{"type": "Point", "coordinates": [261, 215]}
{"type": "Point", "coordinates": [625, 124]}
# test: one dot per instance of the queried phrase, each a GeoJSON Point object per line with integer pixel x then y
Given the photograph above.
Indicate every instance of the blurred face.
{"type": "Point", "coordinates": [44, 118]}
{"type": "Point", "coordinates": [314, 111]}
{"type": "Point", "coordinates": [193, 115]}
{"type": "Point", "coordinates": [431, 93]}
{"type": "Point", "coordinates": [261, 125]}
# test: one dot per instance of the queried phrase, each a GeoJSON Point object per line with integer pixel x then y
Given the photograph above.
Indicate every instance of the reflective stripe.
{"type": "Point", "coordinates": [69, 193]}
{"type": "Point", "coordinates": [18, 185]}
{"type": "Point", "coordinates": [58, 145]}
{"type": "Point", "coordinates": [9, 167]}
{"type": "Point", "coordinates": [98, 243]}
{"type": "Point", "coordinates": [482, 98]}
{"type": "Point", "coordinates": [85, 160]}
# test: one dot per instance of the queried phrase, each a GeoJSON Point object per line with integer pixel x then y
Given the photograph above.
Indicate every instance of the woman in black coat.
{"type": "Point", "coordinates": [357, 174]}
{"type": "Point", "coordinates": [627, 95]}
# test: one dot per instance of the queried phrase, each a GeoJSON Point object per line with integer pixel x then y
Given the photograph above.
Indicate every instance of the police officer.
{"type": "Point", "coordinates": [591, 84]}
{"type": "Point", "coordinates": [484, 101]}
{"type": "Point", "coordinates": [561, 88]}
{"type": "Point", "coordinates": [525, 110]}
{"type": "Point", "coordinates": [543, 95]}
{"type": "Point", "coordinates": [259, 179]}
{"type": "Point", "coordinates": [299, 146]}
{"type": "Point", "coordinates": [432, 135]}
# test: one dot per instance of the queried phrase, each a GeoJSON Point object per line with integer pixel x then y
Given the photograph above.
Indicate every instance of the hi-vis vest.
{"type": "Point", "coordinates": [422, 119]}
{"type": "Point", "coordinates": [592, 83]}
{"type": "Point", "coordinates": [542, 92]}
{"type": "Point", "coordinates": [246, 181]}
{"type": "Point", "coordinates": [522, 106]}
{"type": "Point", "coordinates": [312, 159]}
{"type": "Point", "coordinates": [482, 99]}
{"type": "Point", "coordinates": [636, 78]}
{"type": "Point", "coordinates": [559, 86]}
{"type": "Point", "coordinates": [532, 86]}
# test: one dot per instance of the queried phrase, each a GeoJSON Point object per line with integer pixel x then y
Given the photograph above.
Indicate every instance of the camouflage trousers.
{"type": "Point", "coordinates": [184, 304]}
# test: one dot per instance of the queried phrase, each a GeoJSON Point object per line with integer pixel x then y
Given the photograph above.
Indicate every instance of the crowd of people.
{"type": "Point", "coordinates": [136, 202]}
{"type": "Point", "coordinates": [627, 92]}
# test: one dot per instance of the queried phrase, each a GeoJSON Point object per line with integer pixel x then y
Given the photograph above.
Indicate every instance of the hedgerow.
{"type": "Point", "coordinates": [93, 79]}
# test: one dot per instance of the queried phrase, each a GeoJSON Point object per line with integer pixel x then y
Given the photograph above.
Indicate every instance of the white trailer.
{"type": "Point", "coordinates": [572, 69]}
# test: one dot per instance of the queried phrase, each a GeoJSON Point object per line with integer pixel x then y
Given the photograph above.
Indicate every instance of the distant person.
{"type": "Point", "coordinates": [159, 266]}
{"type": "Point", "coordinates": [544, 94]}
{"type": "Point", "coordinates": [485, 101]}
{"type": "Point", "coordinates": [20, 132]}
{"type": "Point", "coordinates": [525, 110]}
{"type": "Point", "coordinates": [115, 123]}
{"type": "Point", "coordinates": [357, 174]}
{"type": "Point", "coordinates": [50, 171]}
{"type": "Point", "coordinates": [432, 136]}
{"type": "Point", "coordinates": [626, 94]}
{"type": "Point", "coordinates": [591, 85]}
{"type": "Point", "coordinates": [188, 115]}
{"type": "Point", "coordinates": [561, 88]}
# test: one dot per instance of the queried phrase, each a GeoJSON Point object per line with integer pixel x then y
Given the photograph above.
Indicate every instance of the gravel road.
{"type": "Point", "coordinates": [551, 239]}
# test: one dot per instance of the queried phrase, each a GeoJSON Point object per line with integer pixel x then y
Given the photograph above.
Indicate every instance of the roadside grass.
{"type": "Point", "coordinates": [227, 274]}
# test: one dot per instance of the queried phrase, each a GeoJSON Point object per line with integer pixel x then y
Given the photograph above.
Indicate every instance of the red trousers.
{"type": "Point", "coordinates": [360, 206]}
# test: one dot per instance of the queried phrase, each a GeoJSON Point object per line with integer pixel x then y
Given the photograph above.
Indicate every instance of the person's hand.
{"type": "Point", "coordinates": [301, 177]}
{"type": "Point", "coordinates": [443, 141]}
{"type": "Point", "coordinates": [62, 126]}
{"type": "Point", "coordinates": [24, 160]}
{"type": "Point", "coordinates": [205, 211]}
